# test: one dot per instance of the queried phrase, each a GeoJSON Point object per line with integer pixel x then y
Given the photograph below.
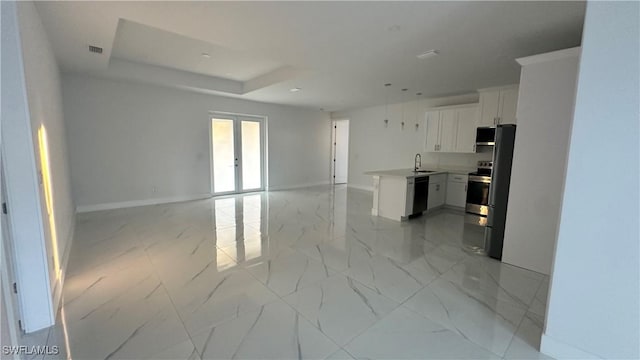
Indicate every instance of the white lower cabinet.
{"type": "Point", "coordinates": [457, 190]}
{"type": "Point", "coordinates": [437, 191]}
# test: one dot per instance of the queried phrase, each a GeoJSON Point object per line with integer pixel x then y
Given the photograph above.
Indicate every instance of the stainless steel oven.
{"type": "Point", "coordinates": [478, 194]}
{"type": "Point", "coordinates": [478, 188]}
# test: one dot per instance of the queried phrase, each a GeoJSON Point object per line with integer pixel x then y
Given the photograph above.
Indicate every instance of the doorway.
{"type": "Point", "coordinates": [237, 153]}
{"type": "Point", "coordinates": [11, 325]}
{"type": "Point", "coordinates": [340, 151]}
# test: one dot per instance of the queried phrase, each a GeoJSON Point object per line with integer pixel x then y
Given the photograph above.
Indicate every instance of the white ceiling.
{"type": "Point", "coordinates": [339, 53]}
{"type": "Point", "coordinates": [145, 44]}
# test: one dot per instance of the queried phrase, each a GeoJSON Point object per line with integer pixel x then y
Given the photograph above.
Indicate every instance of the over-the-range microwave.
{"type": "Point", "coordinates": [486, 136]}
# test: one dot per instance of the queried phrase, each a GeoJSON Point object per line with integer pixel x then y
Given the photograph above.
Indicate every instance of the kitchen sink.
{"type": "Point", "coordinates": [423, 171]}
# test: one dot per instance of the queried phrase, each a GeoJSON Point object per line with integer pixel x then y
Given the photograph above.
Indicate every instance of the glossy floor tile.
{"type": "Point", "coordinates": [405, 335]}
{"type": "Point", "coordinates": [288, 274]}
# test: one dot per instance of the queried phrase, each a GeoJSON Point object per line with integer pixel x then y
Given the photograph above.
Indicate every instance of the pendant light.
{"type": "Point", "coordinates": [417, 109]}
{"type": "Point", "coordinates": [386, 105]}
{"type": "Point", "coordinates": [404, 103]}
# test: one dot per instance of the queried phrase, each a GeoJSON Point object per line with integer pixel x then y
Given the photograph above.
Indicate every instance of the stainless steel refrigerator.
{"type": "Point", "coordinates": [499, 189]}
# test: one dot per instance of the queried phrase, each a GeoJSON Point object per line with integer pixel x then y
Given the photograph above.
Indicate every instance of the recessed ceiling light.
{"type": "Point", "coordinates": [295, 89]}
{"type": "Point", "coordinates": [428, 54]}
{"type": "Point", "coordinates": [206, 55]}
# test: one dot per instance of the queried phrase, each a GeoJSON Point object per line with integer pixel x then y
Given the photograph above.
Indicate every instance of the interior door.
{"type": "Point", "coordinates": [237, 154]}
{"type": "Point", "coordinates": [340, 151]}
{"type": "Point", "coordinates": [10, 302]}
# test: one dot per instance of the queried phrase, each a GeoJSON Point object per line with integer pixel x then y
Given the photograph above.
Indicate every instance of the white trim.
{"type": "Point", "coordinates": [502, 87]}
{"type": "Point", "coordinates": [361, 187]}
{"type": "Point", "coordinates": [554, 55]}
{"type": "Point", "coordinates": [560, 350]}
{"type": "Point", "coordinates": [136, 203]}
{"type": "Point", "coordinates": [453, 106]}
{"type": "Point", "coordinates": [298, 186]}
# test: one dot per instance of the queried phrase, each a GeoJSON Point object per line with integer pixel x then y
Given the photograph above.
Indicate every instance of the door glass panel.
{"type": "Point", "coordinates": [251, 157]}
{"type": "Point", "coordinates": [224, 174]}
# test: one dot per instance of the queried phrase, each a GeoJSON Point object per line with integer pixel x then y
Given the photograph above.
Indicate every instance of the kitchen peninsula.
{"type": "Point", "coordinates": [401, 193]}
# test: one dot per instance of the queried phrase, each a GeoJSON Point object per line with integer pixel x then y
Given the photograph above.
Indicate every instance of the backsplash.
{"type": "Point", "coordinates": [453, 159]}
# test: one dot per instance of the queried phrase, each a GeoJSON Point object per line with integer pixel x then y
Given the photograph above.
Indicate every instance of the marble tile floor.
{"type": "Point", "coordinates": [305, 273]}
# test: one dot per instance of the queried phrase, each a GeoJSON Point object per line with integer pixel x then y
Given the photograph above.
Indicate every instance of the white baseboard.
{"type": "Point", "coordinates": [361, 187]}
{"type": "Point", "coordinates": [299, 186]}
{"type": "Point", "coordinates": [135, 203]}
{"type": "Point", "coordinates": [57, 291]}
{"type": "Point", "coordinates": [560, 350]}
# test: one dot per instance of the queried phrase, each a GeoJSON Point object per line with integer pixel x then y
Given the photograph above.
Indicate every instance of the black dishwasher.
{"type": "Point", "coordinates": [420, 195]}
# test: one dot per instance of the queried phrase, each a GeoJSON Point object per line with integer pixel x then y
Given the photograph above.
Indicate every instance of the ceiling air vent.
{"type": "Point", "coordinates": [95, 49]}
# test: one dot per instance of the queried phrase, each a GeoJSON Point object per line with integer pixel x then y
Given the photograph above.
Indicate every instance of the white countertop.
{"type": "Point", "coordinates": [409, 173]}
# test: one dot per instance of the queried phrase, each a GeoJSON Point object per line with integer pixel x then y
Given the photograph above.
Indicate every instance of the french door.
{"type": "Point", "coordinates": [237, 154]}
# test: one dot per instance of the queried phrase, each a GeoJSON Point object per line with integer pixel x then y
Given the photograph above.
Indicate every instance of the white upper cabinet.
{"type": "Point", "coordinates": [498, 105]}
{"type": "Point", "coordinates": [489, 104]}
{"type": "Point", "coordinates": [451, 129]}
{"type": "Point", "coordinates": [467, 124]}
{"type": "Point", "coordinates": [508, 104]}
{"type": "Point", "coordinates": [432, 129]}
{"type": "Point", "coordinates": [448, 130]}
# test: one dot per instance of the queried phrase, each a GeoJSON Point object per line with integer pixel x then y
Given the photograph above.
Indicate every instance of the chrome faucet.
{"type": "Point", "coordinates": [417, 162]}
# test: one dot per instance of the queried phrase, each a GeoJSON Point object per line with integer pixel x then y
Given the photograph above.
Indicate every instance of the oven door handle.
{"type": "Point", "coordinates": [480, 179]}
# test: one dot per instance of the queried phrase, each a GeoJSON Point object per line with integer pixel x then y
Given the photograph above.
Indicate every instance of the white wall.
{"type": "Point", "coordinates": [545, 113]}
{"type": "Point", "coordinates": [594, 302]}
{"type": "Point", "coordinates": [32, 249]}
{"type": "Point", "coordinates": [125, 139]}
{"type": "Point", "coordinates": [44, 97]}
{"type": "Point", "coordinates": [372, 146]}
